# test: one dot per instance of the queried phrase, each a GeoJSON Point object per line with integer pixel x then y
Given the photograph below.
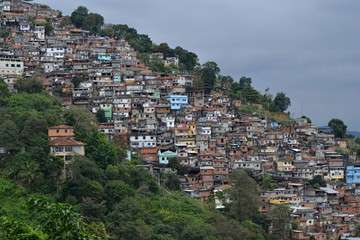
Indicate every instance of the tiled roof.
{"type": "Point", "coordinates": [61, 127]}
{"type": "Point", "coordinates": [63, 141]}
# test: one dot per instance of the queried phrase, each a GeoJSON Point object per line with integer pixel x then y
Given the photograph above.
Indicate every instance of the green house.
{"type": "Point", "coordinates": [104, 57]}
{"type": "Point", "coordinates": [165, 156]}
{"type": "Point", "coordinates": [108, 112]}
{"type": "Point", "coordinates": [117, 78]}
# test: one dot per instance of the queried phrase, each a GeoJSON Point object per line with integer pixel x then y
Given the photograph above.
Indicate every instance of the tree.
{"type": "Point", "coordinates": [209, 74]}
{"type": "Point", "coordinates": [140, 42]}
{"type": "Point", "coordinates": [9, 136]}
{"type": "Point", "coordinates": [188, 60]}
{"type": "Point", "coordinates": [76, 80]}
{"type": "Point", "coordinates": [266, 182]}
{"type": "Point", "coordinates": [164, 48]}
{"type": "Point", "coordinates": [101, 151]}
{"type": "Point", "coordinates": [4, 33]}
{"type": "Point", "coordinates": [83, 167]}
{"type": "Point", "coordinates": [226, 228]}
{"type": "Point", "coordinates": [243, 91]}
{"type": "Point", "coordinates": [267, 99]}
{"type": "Point", "coordinates": [66, 21]}
{"type": "Point", "coordinates": [78, 16]}
{"type": "Point", "coordinates": [100, 116]}
{"type": "Point", "coordinates": [263, 220]}
{"type": "Point", "coordinates": [116, 191]}
{"type": "Point", "coordinates": [34, 128]}
{"type": "Point", "coordinates": [85, 182]}
{"type": "Point", "coordinates": [244, 196]}
{"type": "Point", "coordinates": [128, 212]}
{"type": "Point", "coordinates": [357, 230]}
{"type": "Point", "coordinates": [250, 94]}
{"type": "Point", "coordinates": [318, 180]}
{"type": "Point", "coordinates": [82, 120]}
{"type": "Point", "coordinates": [254, 231]}
{"type": "Point", "coordinates": [294, 226]}
{"type": "Point", "coordinates": [281, 102]}
{"type": "Point", "coordinates": [280, 218]}
{"type": "Point", "coordinates": [4, 89]}
{"type": "Point", "coordinates": [338, 127]}
{"type": "Point", "coordinates": [30, 173]}
{"type": "Point", "coordinates": [60, 221]}
{"type": "Point", "coordinates": [48, 28]}
{"type": "Point", "coordinates": [172, 181]}
{"type": "Point", "coordinates": [120, 141]}
{"type": "Point", "coordinates": [157, 66]}
{"type": "Point", "coordinates": [14, 230]}
{"type": "Point", "coordinates": [28, 85]}
{"type": "Point", "coordinates": [225, 81]}
{"type": "Point", "coordinates": [92, 210]}
{"type": "Point", "coordinates": [245, 82]}
{"type": "Point", "coordinates": [175, 164]}
{"type": "Point", "coordinates": [93, 22]}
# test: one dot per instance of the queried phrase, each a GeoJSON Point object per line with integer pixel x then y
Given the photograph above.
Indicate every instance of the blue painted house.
{"type": "Point", "coordinates": [176, 101]}
{"type": "Point", "coordinates": [353, 174]}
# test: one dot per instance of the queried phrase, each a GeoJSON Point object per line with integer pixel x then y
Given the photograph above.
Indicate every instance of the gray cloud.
{"type": "Point", "coordinates": [308, 49]}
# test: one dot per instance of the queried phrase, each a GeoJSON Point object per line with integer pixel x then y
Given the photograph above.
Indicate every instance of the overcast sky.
{"type": "Point", "coordinates": [308, 49]}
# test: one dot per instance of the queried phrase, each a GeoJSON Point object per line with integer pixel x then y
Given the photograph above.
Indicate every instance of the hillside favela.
{"type": "Point", "coordinates": [105, 134]}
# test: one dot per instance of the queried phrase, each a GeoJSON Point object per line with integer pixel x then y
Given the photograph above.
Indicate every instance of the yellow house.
{"type": "Point", "coordinates": [279, 201]}
{"type": "Point", "coordinates": [336, 174]}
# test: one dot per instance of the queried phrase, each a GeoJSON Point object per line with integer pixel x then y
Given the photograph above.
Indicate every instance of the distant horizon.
{"type": "Point", "coordinates": [307, 49]}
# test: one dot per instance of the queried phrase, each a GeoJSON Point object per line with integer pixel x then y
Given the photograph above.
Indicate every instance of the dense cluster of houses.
{"type": "Point", "coordinates": [161, 117]}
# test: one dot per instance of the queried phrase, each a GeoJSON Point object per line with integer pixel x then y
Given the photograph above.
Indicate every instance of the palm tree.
{"type": "Point", "coordinates": [30, 173]}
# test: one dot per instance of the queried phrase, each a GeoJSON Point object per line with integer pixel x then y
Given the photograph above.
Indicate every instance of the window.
{"type": "Point", "coordinates": [59, 149]}
{"type": "Point", "coordinates": [68, 148]}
